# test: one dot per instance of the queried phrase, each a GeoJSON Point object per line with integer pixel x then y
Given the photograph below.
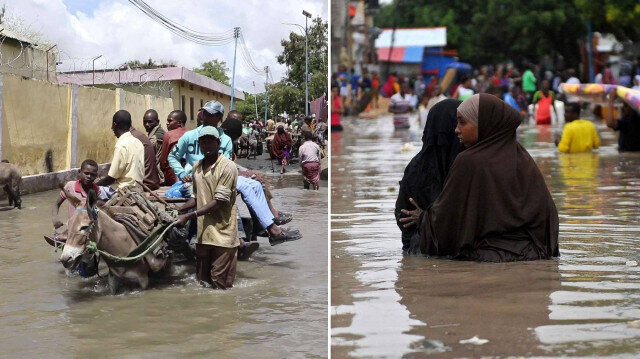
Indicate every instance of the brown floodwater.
{"type": "Point", "coordinates": [277, 308]}
{"type": "Point", "coordinates": [583, 304]}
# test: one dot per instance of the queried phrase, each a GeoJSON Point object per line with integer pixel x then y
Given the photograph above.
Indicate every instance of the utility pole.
{"type": "Point", "coordinates": [306, 64]}
{"type": "Point", "coordinates": [255, 98]}
{"type": "Point", "coordinates": [266, 100]}
{"type": "Point", "coordinates": [590, 50]}
{"type": "Point", "coordinates": [236, 34]}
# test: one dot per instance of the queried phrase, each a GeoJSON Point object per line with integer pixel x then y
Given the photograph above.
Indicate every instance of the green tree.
{"type": "Point", "coordinates": [215, 69]}
{"type": "Point", "coordinates": [285, 98]}
{"type": "Point", "coordinates": [150, 64]}
{"type": "Point", "coordinates": [293, 56]}
{"type": "Point", "coordinates": [248, 107]}
{"type": "Point", "coordinates": [493, 31]}
{"type": "Point", "coordinates": [620, 17]}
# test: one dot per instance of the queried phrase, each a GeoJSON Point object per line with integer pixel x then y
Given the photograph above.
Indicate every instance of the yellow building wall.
{"type": "Point", "coordinates": [137, 105]}
{"type": "Point", "coordinates": [164, 106]}
{"type": "Point", "coordinates": [198, 94]}
{"type": "Point", "coordinates": [175, 91]}
{"type": "Point", "coordinates": [37, 117]}
{"type": "Point", "coordinates": [95, 140]}
{"type": "Point", "coordinates": [35, 120]}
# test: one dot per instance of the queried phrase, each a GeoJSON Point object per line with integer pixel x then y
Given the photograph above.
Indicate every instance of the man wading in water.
{"type": "Point", "coordinates": [400, 107]}
{"type": "Point", "coordinates": [214, 189]}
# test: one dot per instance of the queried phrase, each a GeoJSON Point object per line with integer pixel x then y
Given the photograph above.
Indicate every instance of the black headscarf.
{"type": "Point", "coordinates": [495, 205]}
{"type": "Point", "coordinates": [424, 176]}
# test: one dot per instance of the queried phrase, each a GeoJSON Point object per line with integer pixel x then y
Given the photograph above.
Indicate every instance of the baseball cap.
{"type": "Point", "coordinates": [209, 131]}
{"type": "Point", "coordinates": [213, 107]}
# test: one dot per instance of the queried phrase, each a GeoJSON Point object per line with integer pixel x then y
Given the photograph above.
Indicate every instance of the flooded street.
{"type": "Point", "coordinates": [582, 304]}
{"type": "Point", "coordinates": [278, 304]}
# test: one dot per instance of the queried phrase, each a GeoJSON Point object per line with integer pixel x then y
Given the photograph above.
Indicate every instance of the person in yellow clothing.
{"type": "Point", "coordinates": [578, 135]}
{"type": "Point", "coordinates": [214, 192]}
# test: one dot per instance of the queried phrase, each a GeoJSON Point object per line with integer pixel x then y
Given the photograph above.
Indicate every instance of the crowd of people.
{"type": "Point", "coordinates": [534, 93]}
{"type": "Point", "coordinates": [201, 161]}
{"type": "Point", "coordinates": [304, 137]}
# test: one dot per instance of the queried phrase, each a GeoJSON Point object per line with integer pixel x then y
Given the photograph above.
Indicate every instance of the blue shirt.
{"type": "Point", "coordinates": [188, 147]}
{"type": "Point", "coordinates": [511, 101]}
{"type": "Point", "coordinates": [354, 81]}
{"type": "Point", "coordinates": [343, 77]}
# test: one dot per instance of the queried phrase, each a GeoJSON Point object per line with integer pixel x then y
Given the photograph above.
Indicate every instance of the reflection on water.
{"type": "Point", "coordinates": [278, 304]}
{"type": "Point", "coordinates": [387, 305]}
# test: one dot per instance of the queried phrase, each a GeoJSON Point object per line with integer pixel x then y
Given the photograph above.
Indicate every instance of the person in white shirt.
{"type": "Point", "coordinates": [400, 107]}
{"type": "Point", "coordinates": [309, 153]}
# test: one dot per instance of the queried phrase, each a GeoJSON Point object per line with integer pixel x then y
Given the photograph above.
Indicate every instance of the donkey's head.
{"type": "Point", "coordinates": [82, 227]}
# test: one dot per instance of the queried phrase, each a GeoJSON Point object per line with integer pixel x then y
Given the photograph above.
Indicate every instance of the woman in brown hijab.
{"type": "Point", "coordinates": [495, 205]}
{"type": "Point", "coordinates": [280, 147]}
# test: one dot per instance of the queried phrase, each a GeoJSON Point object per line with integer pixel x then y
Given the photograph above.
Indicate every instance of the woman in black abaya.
{"type": "Point", "coordinates": [424, 176]}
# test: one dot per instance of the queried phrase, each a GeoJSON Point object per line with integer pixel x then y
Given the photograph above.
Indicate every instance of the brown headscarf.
{"type": "Point", "coordinates": [280, 140]}
{"type": "Point", "coordinates": [495, 205]}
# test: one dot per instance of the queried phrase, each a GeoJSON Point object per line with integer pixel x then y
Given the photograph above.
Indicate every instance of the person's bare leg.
{"type": "Point", "coordinates": [274, 230]}
{"type": "Point", "coordinates": [273, 209]}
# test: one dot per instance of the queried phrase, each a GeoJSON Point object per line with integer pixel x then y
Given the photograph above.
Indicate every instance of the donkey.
{"type": "Point", "coordinates": [11, 181]}
{"type": "Point", "coordinates": [90, 223]}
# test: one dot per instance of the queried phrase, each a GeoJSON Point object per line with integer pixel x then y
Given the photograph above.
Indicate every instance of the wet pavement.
{"type": "Point", "coordinates": [583, 304]}
{"type": "Point", "coordinates": [277, 308]}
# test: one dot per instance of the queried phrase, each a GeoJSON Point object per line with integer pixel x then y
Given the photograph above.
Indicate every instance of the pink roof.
{"type": "Point", "coordinates": [116, 77]}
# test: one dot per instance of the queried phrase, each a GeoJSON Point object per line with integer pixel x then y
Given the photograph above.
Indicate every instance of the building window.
{"type": "Point", "coordinates": [191, 108]}
{"type": "Point", "coordinates": [191, 87]}
{"type": "Point", "coordinates": [201, 103]}
{"type": "Point", "coordinates": [184, 106]}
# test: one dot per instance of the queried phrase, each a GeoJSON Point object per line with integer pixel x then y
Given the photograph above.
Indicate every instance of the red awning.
{"type": "Point", "coordinates": [397, 55]}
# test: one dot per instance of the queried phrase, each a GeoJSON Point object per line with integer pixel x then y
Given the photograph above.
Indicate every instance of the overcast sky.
{"type": "Point", "coordinates": [117, 30]}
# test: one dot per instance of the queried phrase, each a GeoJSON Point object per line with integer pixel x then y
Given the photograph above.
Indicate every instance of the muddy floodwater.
{"type": "Point", "coordinates": [277, 308]}
{"type": "Point", "coordinates": [584, 304]}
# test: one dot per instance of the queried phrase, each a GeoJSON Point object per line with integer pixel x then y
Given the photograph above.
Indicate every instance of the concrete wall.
{"type": "Point", "coordinates": [25, 60]}
{"type": "Point", "coordinates": [35, 121]}
{"type": "Point", "coordinates": [95, 139]}
{"type": "Point", "coordinates": [70, 122]}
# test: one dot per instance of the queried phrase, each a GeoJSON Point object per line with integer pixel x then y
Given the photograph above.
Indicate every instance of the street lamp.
{"type": "Point", "coordinates": [307, 16]}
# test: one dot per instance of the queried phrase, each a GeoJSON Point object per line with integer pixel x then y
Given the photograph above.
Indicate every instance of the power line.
{"type": "Point", "coordinates": [210, 39]}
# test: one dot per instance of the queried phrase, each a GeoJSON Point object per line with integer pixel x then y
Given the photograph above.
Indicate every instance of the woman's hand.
{"type": "Point", "coordinates": [412, 217]}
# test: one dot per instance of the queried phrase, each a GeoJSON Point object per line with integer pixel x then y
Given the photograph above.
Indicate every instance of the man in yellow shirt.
{"type": "Point", "coordinates": [578, 135]}
{"type": "Point", "coordinates": [127, 165]}
{"type": "Point", "coordinates": [214, 188]}
{"type": "Point", "coordinates": [271, 125]}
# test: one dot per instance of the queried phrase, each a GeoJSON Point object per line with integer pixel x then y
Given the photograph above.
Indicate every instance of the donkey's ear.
{"type": "Point", "coordinates": [92, 199]}
{"type": "Point", "coordinates": [71, 198]}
